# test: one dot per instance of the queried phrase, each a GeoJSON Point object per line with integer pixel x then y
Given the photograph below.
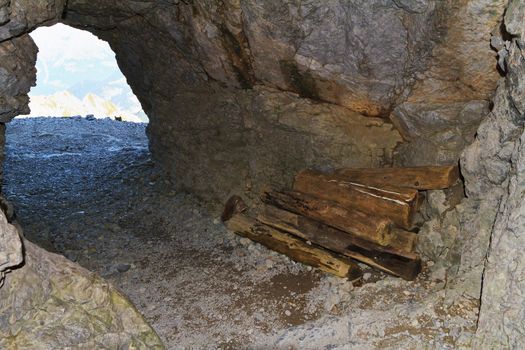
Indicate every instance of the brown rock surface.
{"type": "Point", "coordinates": [426, 61]}
{"type": "Point", "coordinates": [443, 109]}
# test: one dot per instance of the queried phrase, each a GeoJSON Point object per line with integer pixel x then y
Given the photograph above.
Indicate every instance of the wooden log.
{"type": "Point", "coordinates": [421, 178]}
{"type": "Point", "coordinates": [401, 242]}
{"type": "Point", "coordinates": [234, 205]}
{"type": "Point", "coordinates": [359, 224]}
{"type": "Point", "coordinates": [293, 247]}
{"type": "Point", "coordinates": [398, 204]}
{"type": "Point", "coordinates": [396, 259]}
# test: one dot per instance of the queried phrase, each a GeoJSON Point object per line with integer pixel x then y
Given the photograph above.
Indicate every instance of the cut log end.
{"type": "Point", "coordinates": [234, 205]}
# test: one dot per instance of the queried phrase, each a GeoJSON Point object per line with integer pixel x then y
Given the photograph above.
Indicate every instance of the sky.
{"type": "Point", "coordinates": [77, 61]}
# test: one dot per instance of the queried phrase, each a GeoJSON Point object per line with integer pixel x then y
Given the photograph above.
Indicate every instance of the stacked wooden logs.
{"type": "Point", "coordinates": [330, 220]}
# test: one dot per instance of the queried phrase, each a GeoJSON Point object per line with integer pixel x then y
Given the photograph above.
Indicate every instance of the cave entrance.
{"type": "Point", "coordinates": [78, 75]}
{"type": "Point", "coordinates": [72, 163]}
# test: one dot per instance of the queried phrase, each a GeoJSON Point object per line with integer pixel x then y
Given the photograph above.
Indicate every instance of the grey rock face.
{"type": "Point", "coordinates": [262, 137]}
{"type": "Point", "coordinates": [20, 16]}
{"type": "Point", "coordinates": [52, 303]}
{"type": "Point", "coordinates": [10, 247]}
{"type": "Point", "coordinates": [502, 314]}
{"type": "Point", "coordinates": [4, 11]}
{"type": "Point", "coordinates": [486, 166]}
{"type": "Point", "coordinates": [483, 236]}
{"type": "Point", "coordinates": [241, 55]}
{"type": "Point", "coordinates": [17, 75]}
{"type": "Point", "coordinates": [353, 53]}
{"type": "Point", "coordinates": [413, 5]}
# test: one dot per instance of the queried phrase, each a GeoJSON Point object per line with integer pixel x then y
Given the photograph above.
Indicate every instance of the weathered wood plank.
{"type": "Point", "coordinates": [293, 247]}
{"type": "Point", "coordinates": [421, 178]}
{"type": "Point", "coordinates": [359, 224]}
{"type": "Point", "coordinates": [400, 243]}
{"type": "Point", "coordinates": [396, 203]}
{"type": "Point", "coordinates": [397, 259]}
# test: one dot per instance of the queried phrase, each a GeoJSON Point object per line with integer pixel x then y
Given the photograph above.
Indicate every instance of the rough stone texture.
{"type": "Point", "coordinates": [18, 51]}
{"type": "Point", "coordinates": [247, 132]}
{"type": "Point", "coordinates": [241, 94]}
{"type": "Point", "coordinates": [17, 75]}
{"type": "Point", "coordinates": [363, 56]}
{"type": "Point", "coordinates": [262, 137]}
{"type": "Point", "coordinates": [52, 303]}
{"type": "Point", "coordinates": [10, 248]}
{"type": "Point", "coordinates": [502, 315]}
{"type": "Point", "coordinates": [458, 237]}
{"type": "Point", "coordinates": [17, 17]}
{"type": "Point", "coordinates": [484, 234]}
{"type": "Point", "coordinates": [332, 51]}
{"type": "Point", "coordinates": [445, 106]}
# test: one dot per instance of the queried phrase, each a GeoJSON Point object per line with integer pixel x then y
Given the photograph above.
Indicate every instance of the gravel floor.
{"type": "Point", "coordinates": [89, 190]}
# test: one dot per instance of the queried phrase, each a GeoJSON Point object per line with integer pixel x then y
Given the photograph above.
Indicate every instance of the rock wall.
{"type": "Point", "coordinates": [11, 253]}
{"type": "Point", "coordinates": [442, 111]}
{"type": "Point", "coordinates": [52, 303]}
{"type": "Point", "coordinates": [241, 94]}
{"type": "Point", "coordinates": [280, 77]}
{"type": "Point", "coordinates": [502, 314]}
{"type": "Point", "coordinates": [268, 111]}
{"type": "Point", "coordinates": [211, 74]}
{"type": "Point", "coordinates": [478, 244]}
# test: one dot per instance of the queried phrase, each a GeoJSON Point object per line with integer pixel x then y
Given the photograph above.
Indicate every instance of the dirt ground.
{"type": "Point", "coordinates": [89, 190]}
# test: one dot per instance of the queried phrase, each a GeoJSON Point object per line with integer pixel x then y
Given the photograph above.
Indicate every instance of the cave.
{"type": "Point", "coordinates": [241, 96]}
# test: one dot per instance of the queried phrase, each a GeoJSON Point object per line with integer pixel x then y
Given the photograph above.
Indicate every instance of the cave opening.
{"type": "Point", "coordinates": [78, 75]}
{"type": "Point", "coordinates": [85, 127]}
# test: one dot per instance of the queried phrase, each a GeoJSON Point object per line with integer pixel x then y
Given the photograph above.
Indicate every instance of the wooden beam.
{"type": "Point", "coordinates": [293, 247]}
{"type": "Point", "coordinates": [234, 205]}
{"type": "Point", "coordinates": [396, 203]}
{"type": "Point", "coordinates": [353, 221]}
{"type": "Point", "coordinates": [397, 259]}
{"type": "Point", "coordinates": [401, 242]}
{"type": "Point", "coordinates": [421, 178]}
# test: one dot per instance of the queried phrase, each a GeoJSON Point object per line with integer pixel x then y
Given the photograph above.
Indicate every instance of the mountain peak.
{"type": "Point", "coordinates": [65, 104]}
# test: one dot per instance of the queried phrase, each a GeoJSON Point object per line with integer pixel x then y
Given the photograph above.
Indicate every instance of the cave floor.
{"type": "Point", "coordinates": [89, 190]}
